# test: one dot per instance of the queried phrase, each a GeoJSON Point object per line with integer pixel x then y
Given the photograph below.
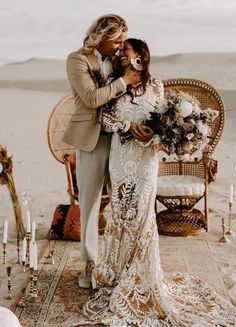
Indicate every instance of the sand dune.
{"type": "Point", "coordinates": [50, 75]}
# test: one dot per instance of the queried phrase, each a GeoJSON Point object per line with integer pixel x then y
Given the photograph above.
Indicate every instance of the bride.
{"type": "Point", "coordinates": [131, 288]}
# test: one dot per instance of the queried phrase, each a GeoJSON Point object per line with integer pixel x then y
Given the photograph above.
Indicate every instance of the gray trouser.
{"type": "Point", "coordinates": [92, 174]}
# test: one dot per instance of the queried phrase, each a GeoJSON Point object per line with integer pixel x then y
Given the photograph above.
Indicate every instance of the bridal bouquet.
{"type": "Point", "coordinates": [180, 123]}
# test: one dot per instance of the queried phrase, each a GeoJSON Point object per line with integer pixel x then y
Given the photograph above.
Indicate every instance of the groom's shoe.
{"type": "Point", "coordinates": [85, 280]}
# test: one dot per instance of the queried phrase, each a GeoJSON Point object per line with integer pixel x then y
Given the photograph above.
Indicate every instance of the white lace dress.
{"type": "Point", "coordinates": [132, 290]}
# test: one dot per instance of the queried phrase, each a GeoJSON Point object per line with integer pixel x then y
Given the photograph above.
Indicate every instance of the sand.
{"type": "Point", "coordinates": [28, 93]}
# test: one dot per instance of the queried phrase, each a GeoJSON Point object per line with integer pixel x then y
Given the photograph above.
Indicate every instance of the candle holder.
{"type": "Point", "coordinates": [34, 294]}
{"type": "Point", "coordinates": [50, 249]}
{"type": "Point", "coordinates": [49, 243]}
{"type": "Point", "coordinates": [28, 239]}
{"type": "Point", "coordinates": [31, 285]}
{"type": "Point", "coordinates": [51, 256]}
{"type": "Point", "coordinates": [9, 295]}
{"type": "Point", "coordinates": [223, 238]}
{"type": "Point", "coordinates": [230, 231]}
{"type": "Point", "coordinates": [4, 253]}
{"type": "Point", "coordinates": [18, 251]}
{"type": "Point", "coordinates": [22, 301]}
{"type": "Point", "coordinates": [23, 266]}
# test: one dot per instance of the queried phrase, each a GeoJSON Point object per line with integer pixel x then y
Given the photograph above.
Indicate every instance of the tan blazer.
{"type": "Point", "coordinates": [85, 124]}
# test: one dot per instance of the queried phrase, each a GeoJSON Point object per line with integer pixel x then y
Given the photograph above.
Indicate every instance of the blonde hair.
{"type": "Point", "coordinates": [110, 26]}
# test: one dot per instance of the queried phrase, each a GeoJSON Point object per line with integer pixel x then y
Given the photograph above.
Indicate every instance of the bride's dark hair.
{"type": "Point", "coordinates": [142, 50]}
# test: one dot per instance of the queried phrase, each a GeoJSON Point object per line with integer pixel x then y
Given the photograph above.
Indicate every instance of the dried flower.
{"type": "Point", "coordinates": [180, 123]}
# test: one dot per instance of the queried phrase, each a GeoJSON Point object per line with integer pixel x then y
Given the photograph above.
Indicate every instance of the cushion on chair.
{"type": "Point", "coordinates": [174, 185]}
{"type": "Point", "coordinates": [66, 222]}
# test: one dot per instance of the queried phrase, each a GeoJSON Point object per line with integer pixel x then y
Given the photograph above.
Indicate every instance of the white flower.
{"type": "Point", "coordinates": [186, 108]}
{"type": "Point", "coordinates": [202, 128]}
{"type": "Point", "coordinates": [211, 114]}
{"type": "Point", "coordinates": [187, 146]}
{"type": "Point", "coordinates": [161, 106]}
{"type": "Point", "coordinates": [196, 109]}
{"type": "Point", "coordinates": [190, 136]}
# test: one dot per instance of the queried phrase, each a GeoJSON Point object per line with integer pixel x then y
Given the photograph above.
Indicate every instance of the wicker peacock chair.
{"type": "Point", "coordinates": [65, 153]}
{"type": "Point", "coordinates": [182, 184]}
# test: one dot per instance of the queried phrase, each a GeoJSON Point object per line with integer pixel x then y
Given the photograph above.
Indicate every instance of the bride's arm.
{"type": "Point", "coordinates": [157, 100]}
{"type": "Point", "coordinates": [111, 122]}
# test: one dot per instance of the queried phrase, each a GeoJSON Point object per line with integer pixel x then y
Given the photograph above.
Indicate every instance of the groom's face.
{"type": "Point", "coordinates": [110, 47]}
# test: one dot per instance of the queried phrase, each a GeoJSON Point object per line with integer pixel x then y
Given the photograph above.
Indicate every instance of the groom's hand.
{"type": "Point", "coordinates": [131, 76]}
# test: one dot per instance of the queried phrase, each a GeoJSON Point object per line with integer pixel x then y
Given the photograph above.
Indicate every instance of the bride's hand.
{"type": "Point", "coordinates": [143, 134]}
{"type": "Point", "coordinates": [133, 127]}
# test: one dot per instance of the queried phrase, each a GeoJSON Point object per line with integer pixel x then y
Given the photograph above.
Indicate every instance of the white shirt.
{"type": "Point", "coordinates": [105, 64]}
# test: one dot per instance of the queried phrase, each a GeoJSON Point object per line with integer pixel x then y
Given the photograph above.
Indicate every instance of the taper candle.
{"type": "Point", "coordinates": [35, 257]}
{"type": "Point", "coordinates": [231, 195]}
{"type": "Point", "coordinates": [23, 250]}
{"type": "Point", "coordinates": [33, 231]}
{"type": "Point", "coordinates": [5, 231]}
{"type": "Point", "coordinates": [27, 221]}
{"type": "Point", "coordinates": [31, 254]}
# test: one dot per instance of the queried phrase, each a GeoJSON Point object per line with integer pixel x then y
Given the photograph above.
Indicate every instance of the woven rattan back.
{"type": "Point", "coordinates": [57, 124]}
{"type": "Point", "coordinates": [192, 168]}
{"type": "Point", "coordinates": [208, 98]}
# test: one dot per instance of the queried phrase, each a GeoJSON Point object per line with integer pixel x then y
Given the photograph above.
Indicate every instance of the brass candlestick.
{"type": "Point", "coordinates": [28, 238]}
{"type": "Point", "coordinates": [49, 243]}
{"type": "Point", "coordinates": [23, 265]}
{"type": "Point", "coordinates": [34, 295]}
{"type": "Point", "coordinates": [223, 238]}
{"type": "Point", "coordinates": [18, 251]}
{"type": "Point", "coordinates": [230, 231]}
{"type": "Point", "coordinates": [22, 301]}
{"type": "Point", "coordinates": [31, 276]}
{"type": "Point", "coordinates": [4, 253]}
{"type": "Point", "coordinates": [51, 256]}
{"type": "Point", "coordinates": [50, 249]}
{"type": "Point", "coordinates": [9, 296]}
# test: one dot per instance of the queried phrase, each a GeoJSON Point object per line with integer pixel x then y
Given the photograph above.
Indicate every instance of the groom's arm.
{"type": "Point", "coordinates": [83, 84]}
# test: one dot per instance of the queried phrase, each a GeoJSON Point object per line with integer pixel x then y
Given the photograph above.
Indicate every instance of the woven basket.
{"type": "Point", "coordinates": [185, 223]}
{"type": "Point", "coordinates": [180, 202]}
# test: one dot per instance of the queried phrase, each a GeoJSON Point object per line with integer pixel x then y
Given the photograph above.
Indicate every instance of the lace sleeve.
{"type": "Point", "coordinates": [157, 103]}
{"type": "Point", "coordinates": [158, 88]}
{"type": "Point", "coordinates": [111, 123]}
{"type": "Point", "coordinates": [158, 99]}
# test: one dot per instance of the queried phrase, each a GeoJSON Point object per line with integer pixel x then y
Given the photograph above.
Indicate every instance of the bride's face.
{"type": "Point", "coordinates": [126, 54]}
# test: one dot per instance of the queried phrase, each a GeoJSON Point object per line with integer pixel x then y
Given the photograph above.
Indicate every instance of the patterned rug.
{"type": "Point", "coordinates": [62, 299]}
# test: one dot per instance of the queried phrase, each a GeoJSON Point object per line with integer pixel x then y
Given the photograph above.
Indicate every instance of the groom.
{"type": "Point", "coordinates": [104, 38]}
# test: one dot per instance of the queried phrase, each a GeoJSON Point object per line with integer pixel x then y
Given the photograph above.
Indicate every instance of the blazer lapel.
{"type": "Point", "coordinates": [95, 70]}
{"type": "Point", "coordinates": [93, 61]}
{"type": "Point", "coordinates": [94, 67]}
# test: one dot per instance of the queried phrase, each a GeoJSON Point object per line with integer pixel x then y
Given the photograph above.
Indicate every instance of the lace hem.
{"type": "Point", "coordinates": [189, 302]}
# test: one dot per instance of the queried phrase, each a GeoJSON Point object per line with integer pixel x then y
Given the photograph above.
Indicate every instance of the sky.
{"type": "Point", "coordinates": [54, 28]}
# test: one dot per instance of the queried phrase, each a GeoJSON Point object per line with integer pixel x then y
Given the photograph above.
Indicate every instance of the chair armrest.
{"type": "Point", "coordinates": [211, 166]}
